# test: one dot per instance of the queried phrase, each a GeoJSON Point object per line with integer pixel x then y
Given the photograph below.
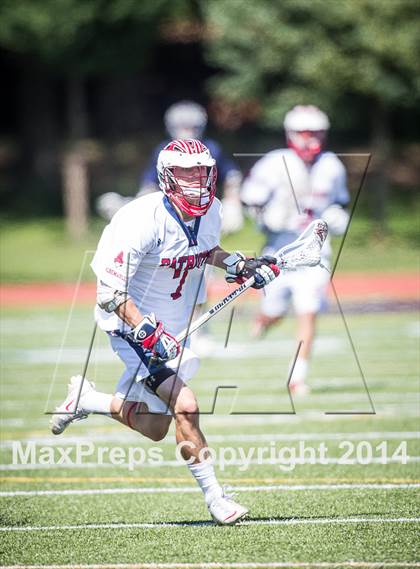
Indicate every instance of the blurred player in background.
{"type": "Point", "coordinates": [148, 264]}
{"type": "Point", "coordinates": [185, 120]}
{"type": "Point", "coordinates": [284, 191]}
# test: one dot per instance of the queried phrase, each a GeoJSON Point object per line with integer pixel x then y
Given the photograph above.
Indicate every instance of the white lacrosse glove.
{"type": "Point", "coordinates": [337, 219]}
{"type": "Point", "coordinates": [156, 342]}
{"type": "Point", "coordinates": [239, 269]}
{"type": "Point", "coordinates": [108, 204]}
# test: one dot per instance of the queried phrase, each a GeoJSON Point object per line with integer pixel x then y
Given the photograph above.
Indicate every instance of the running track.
{"type": "Point", "coordinates": [349, 286]}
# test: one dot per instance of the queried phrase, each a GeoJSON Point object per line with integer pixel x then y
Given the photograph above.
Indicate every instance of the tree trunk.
{"type": "Point", "coordinates": [76, 191]}
{"type": "Point", "coordinates": [381, 155]}
{"type": "Point", "coordinates": [75, 162]}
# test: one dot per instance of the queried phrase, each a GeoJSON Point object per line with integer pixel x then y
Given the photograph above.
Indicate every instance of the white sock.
{"type": "Point", "coordinates": [300, 371]}
{"type": "Point", "coordinates": [96, 402]}
{"type": "Point", "coordinates": [206, 479]}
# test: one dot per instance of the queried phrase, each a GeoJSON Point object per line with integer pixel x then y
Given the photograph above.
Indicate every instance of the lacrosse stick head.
{"type": "Point", "coordinates": [306, 250]}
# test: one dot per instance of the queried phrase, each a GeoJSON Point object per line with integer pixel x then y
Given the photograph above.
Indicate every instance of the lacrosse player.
{"type": "Point", "coordinates": [148, 264]}
{"type": "Point", "coordinates": [185, 120]}
{"type": "Point", "coordinates": [285, 190]}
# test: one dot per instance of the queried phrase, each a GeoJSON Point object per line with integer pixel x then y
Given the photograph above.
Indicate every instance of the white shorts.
{"type": "Point", "coordinates": [136, 390]}
{"type": "Point", "coordinates": [306, 288]}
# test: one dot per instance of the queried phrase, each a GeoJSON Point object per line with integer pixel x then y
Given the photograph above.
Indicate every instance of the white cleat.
{"type": "Point", "coordinates": [225, 511]}
{"type": "Point", "coordinates": [66, 413]}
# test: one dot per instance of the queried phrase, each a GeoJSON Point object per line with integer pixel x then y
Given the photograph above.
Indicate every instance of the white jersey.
{"type": "Point", "coordinates": [281, 177]}
{"type": "Point", "coordinates": [149, 252]}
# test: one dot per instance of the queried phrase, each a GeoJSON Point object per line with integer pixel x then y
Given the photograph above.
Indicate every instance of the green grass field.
{"type": "Point", "coordinates": [151, 514]}
{"type": "Point", "coordinates": [33, 250]}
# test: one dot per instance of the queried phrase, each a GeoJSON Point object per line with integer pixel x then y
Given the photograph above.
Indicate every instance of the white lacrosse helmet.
{"type": "Point", "coordinates": [195, 197]}
{"type": "Point", "coordinates": [306, 127]}
{"type": "Point", "coordinates": [185, 119]}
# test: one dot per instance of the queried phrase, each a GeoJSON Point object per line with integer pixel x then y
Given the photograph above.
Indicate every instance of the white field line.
{"type": "Point", "coordinates": [177, 463]}
{"type": "Point", "coordinates": [345, 382]}
{"type": "Point", "coordinates": [240, 392]}
{"type": "Point", "coordinates": [227, 565]}
{"type": "Point", "coordinates": [236, 397]}
{"type": "Point", "coordinates": [239, 401]}
{"type": "Point", "coordinates": [236, 350]}
{"type": "Point", "coordinates": [127, 437]}
{"type": "Point", "coordinates": [273, 522]}
{"type": "Point", "coordinates": [278, 401]}
{"type": "Point", "coordinates": [193, 489]}
{"type": "Point", "coordinates": [227, 413]}
{"type": "Point", "coordinates": [279, 393]}
{"type": "Point", "coordinates": [217, 420]}
{"type": "Point", "coordinates": [249, 406]}
{"type": "Point", "coordinates": [308, 416]}
{"type": "Point", "coordinates": [282, 395]}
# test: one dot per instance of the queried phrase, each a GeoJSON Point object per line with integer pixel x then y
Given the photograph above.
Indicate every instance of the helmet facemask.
{"type": "Point", "coordinates": [306, 143]}
{"type": "Point", "coordinates": [187, 175]}
{"type": "Point", "coordinates": [306, 129]}
{"type": "Point", "coordinates": [191, 189]}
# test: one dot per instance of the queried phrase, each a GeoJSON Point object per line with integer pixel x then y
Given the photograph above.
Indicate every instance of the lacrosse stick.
{"type": "Point", "coordinates": [304, 252]}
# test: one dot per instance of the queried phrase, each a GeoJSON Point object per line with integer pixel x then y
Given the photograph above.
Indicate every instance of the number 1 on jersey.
{"type": "Point", "coordinates": [175, 295]}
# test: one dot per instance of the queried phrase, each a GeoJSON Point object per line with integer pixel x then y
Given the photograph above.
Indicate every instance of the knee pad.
{"type": "Point", "coordinates": [157, 378]}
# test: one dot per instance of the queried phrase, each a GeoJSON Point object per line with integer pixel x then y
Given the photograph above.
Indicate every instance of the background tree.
{"type": "Point", "coordinates": [75, 40]}
{"type": "Point", "coordinates": [349, 57]}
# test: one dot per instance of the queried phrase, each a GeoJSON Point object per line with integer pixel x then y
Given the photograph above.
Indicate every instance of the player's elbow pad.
{"type": "Point", "coordinates": [108, 298]}
{"type": "Point", "coordinates": [337, 219]}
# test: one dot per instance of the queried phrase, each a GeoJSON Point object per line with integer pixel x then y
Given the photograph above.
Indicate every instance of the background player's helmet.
{"type": "Point", "coordinates": [185, 119]}
{"type": "Point", "coordinates": [306, 129]}
{"type": "Point", "coordinates": [196, 197]}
